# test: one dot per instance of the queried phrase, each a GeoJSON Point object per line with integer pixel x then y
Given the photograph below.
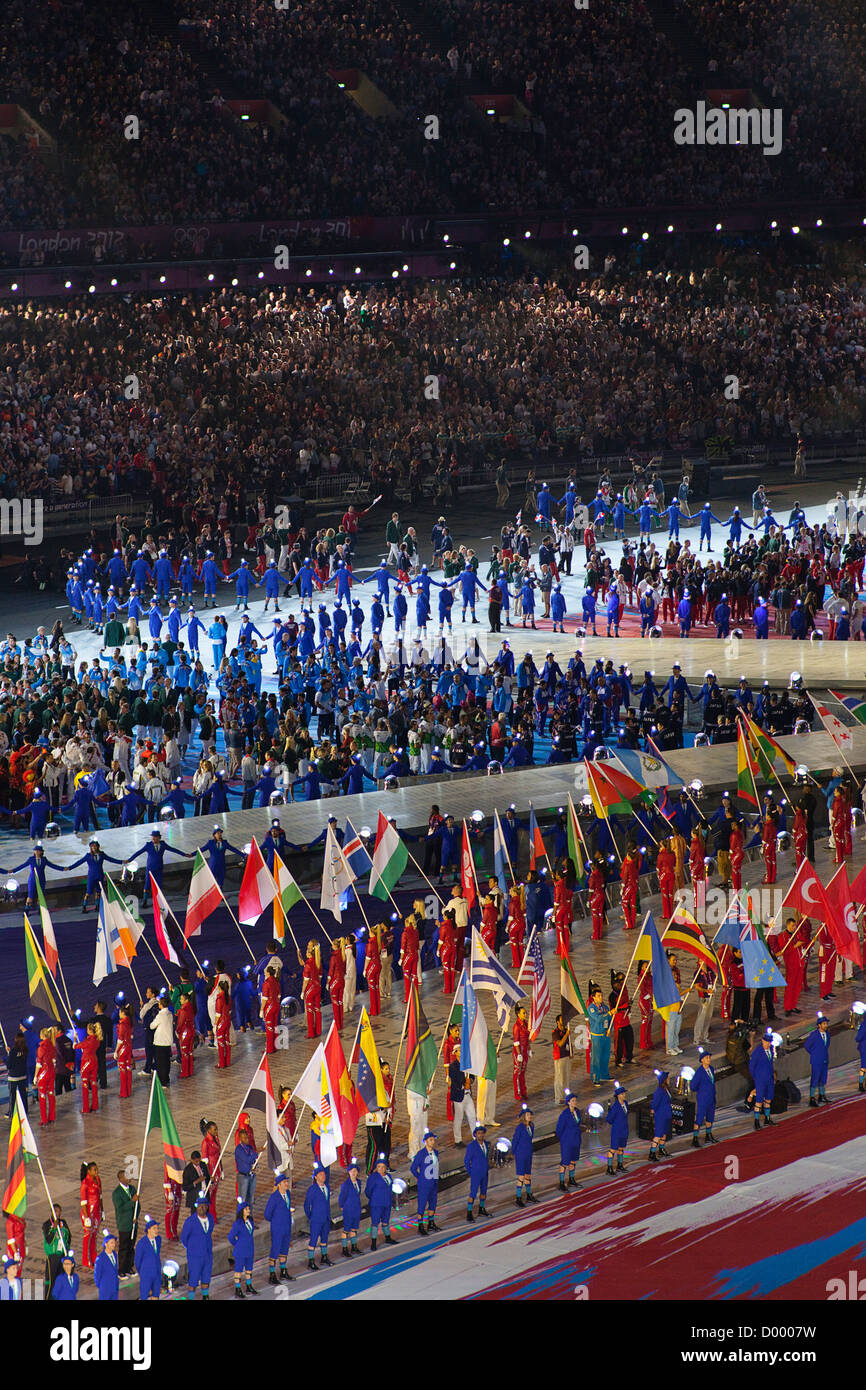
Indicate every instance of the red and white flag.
{"type": "Point", "coordinates": [839, 732]}
{"type": "Point", "coordinates": [842, 922]}
{"type": "Point", "coordinates": [258, 889]}
{"type": "Point", "coordinates": [467, 875]}
{"type": "Point", "coordinates": [168, 933]}
{"type": "Point", "coordinates": [205, 896]}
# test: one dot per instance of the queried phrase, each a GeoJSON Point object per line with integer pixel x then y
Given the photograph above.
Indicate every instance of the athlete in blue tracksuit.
{"type": "Point", "coordinates": [40, 810]}
{"type": "Point", "coordinates": [446, 603]}
{"type": "Point", "coordinates": [663, 1118]}
{"type": "Point", "coordinates": [568, 1134]}
{"type": "Point", "coordinates": [141, 572]}
{"type": "Point", "coordinates": [703, 1084]}
{"type": "Point", "coordinates": [317, 1209]}
{"type": "Point", "coordinates": [476, 1163]}
{"type": "Point", "coordinates": [521, 1149]}
{"type": "Point", "coordinates": [197, 1240]}
{"type": "Point", "coordinates": [377, 1190]}
{"type": "Point", "coordinates": [241, 1238]}
{"type": "Point", "coordinates": [243, 583]}
{"type": "Point", "coordinates": [156, 852]}
{"type": "Point", "coordinates": [117, 570]}
{"type": "Point", "coordinates": [763, 1077]}
{"type": "Point", "coordinates": [278, 1214]}
{"type": "Point", "coordinates": [343, 582]}
{"type": "Point", "coordinates": [148, 1265]}
{"type": "Point", "coordinates": [65, 1286]}
{"type": "Point", "coordinates": [163, 575]}
{"type": "Point", "coordinates": [557, 608]}
{"type": "Point", "coordinates": [818, 1047]}
{"type": "Point", "coordinates": [105, 1274]}
{"type": "Point", "coordinates": [617, 1118]}
{"type": "Point", "coordinates": [425, 1171]}
{"type": "Point", "coordinates": [350, 1205]}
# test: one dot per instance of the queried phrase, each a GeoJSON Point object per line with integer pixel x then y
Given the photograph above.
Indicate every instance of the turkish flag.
{"type": "Point", "coordinates": [467, 876]}
{"type": "Point", "coordinates": [842, 920]}
{"type": "Point", "coordinates": [806, 894]}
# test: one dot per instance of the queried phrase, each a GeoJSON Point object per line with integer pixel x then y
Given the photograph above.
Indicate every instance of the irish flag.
{"type": "Point", "coordinates": [390, 858]}
{"type": "Point", "coordinates": [204, 898]}
{"type": "Point", "coordinates": [128, 929]}
{"type": "Point", "coordinates": [258, 889]}
{"type": "Point", "coordinates": [288, 893]}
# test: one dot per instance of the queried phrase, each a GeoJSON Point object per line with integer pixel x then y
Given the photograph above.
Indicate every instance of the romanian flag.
{"type": "Point", "coordinates": [746, 769]}
{"type": "Point", "coordinates": [575, 841]}
{"type": "Point", "coordinates": [21, 1143]}
{"type": "Point", "coordinates": [684, 934]}
{"type": "Point", "coordinates": [41, 993]}
{"type": "Point", "coordinates": [767, 750]}
{"type": "Point", "coordinates": [420, 1048]}
{"type": "Point", "coordinates": [340, 1086]}
{"type": "Point", "coordinates": [536, 843]}
{"type": "Point", "coordinates": [159, 1116]}
{"type": "Point", "coordinates": [370, 1091]}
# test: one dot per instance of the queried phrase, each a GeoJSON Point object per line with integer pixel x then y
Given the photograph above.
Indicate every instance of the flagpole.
{"type": "Point", "coordinates": [504, 845]}
{"type": "Point", "coordinates": [838, 745]}
{"type": "Point", "coordinates": [546, 855]}
{"type": "Point", "coordinates": [772, 765]}
{"type": "Point", "coordinates": [3, 1038]}
{"type": "Point", "coordinates": [423, 875]}
{"type": "Point", "coordinates": [628, 971]}
{"type": "Point", "coordinates": [448, 1020]}
{"type": "Point", "coordinates": [63, 1002]}
{"type": "Point", "coordinates": [20, 1107]}
{"type": "Point", "coordinates": [472, 862]}
{"type": "Point", "coordinates": [519, 973]}
{"type": "Point", "coordinates": [187, 943]}
{"type": "Point", "coordinates": [590, 775]}
{"type": "Point", "coordinates": [575, 818]}
{"type": "Point", "coordinates": [233, 1126]}
{"type": "Point", "coordinates": [238, 925]}
{"type": "Point", "coordinates": [156, 958]}
{"type": "Point", "coordinates": [143, 1147]}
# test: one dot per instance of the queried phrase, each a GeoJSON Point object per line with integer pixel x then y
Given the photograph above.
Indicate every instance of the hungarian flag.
{"type": "Point", "coordinates": [842, 921]}
{"type": "Point", "coordinates": [420, 1048]}
{"type": "Point", "coordinates": [839, 732]}
{"type": "Point", "coordinates": [746, 769]}
{"type": "Point", "coordinates": [49, 940]}
{"type": "Point", "coordinates": [536, 843]}
{"type": "Point", "coordinates": [767, 750]}
{"type": "Point", "coordinates": [260, 1097]}
{"type": "Point", "coordinates": [467, 872]}
{"type": "Point", "coordinates": [390, 857]}
{"type": "Point", "coordinates": [340, 1085]}
{"type": "Point", "coordinates": [370, 1092]}
{"type": "Point", "coordinates": [571, 1001]}
{"type": "Point", "coordinates": [288, 893]}
{"type": "Point", "coordinates": [205, 896]}
{"type": "Point", "coordinates": [168, 934]}
{"type": "Point", "coordinates": [258, 889]}
{"type": "Point", "coordinates": [21, 1143]}
{"type": "Point", "coordinates": [159, 1116]}
{"type": "Point", "coordinates": [853, 705]}
{"type": "Point", "coordinates": [41, 993]}
{"type": "Point", "coordinates": [575, 841]}
{"type": "Point", "coordinates": [123, 923]}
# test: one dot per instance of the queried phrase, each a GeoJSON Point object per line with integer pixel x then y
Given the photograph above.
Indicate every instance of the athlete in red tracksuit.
{"type": "Point", "coordinates": [311, 989]}
{"type": "Point", "coordinates": [271, 1006]}
{"type": "Point", "coordinates": [801, 835]}
{"type": "Point", "coordinates": [450, 1051]}
{"type": "Point", "coordinates": [172, 1191]}
{"type": "Point", "coordinates": [373, 972]}
{"type": "Point", "coordinates": [45, 1071]}
{"type": "Point", "coordinates": [409, 947]}
{"type": "Point", "coordinates": [645, 1004]}
{"type": "Point", "coordinates": [563, 915]}
{"type": "Point", "coordinates": [737, 855]}
{"type": "Point", "coordinates": [89, 1046]}
{"type": "Point", "coordinates": [826, 962]}
{"type": "Point", "coordinates": [447, 951]}
{"type": "Point", "coordinates": [520, 1053]}
{"type": "Point", "coordinates": [698, 870]}
{"type": "Point", "coordinates": [91, 1212]}
{"type": "Point", "coordinates": [123, 1051]}
{"type": "Point", "coordinates": [516, 926]}
{"type": "Point", "coordinates": [629, 874]}
{"type": "Point", "coordinates": [597, 899]}
{"type": "Point", "coordinates": [186, 1034]}
{"type": "Point", "coordinates": [489, 923]}
{"type": "Point", "coordinates": [666, 864]}
{"type": "Point", "coordinates": [223, 1010]}
{"type": "Point", "coordinates": [768, 847]}
{"type": "Point", "coordinates": [840, 824]}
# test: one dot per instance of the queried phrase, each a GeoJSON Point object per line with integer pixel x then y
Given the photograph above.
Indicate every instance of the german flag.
{"type": "Point", "coordinates": [684, 934]}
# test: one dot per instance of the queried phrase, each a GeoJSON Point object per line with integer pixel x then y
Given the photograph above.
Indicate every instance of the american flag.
{"type": "Point", "coordinates": [532, 972]}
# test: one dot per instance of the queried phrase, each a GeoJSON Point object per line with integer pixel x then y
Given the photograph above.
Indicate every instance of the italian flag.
{"type": "Point", "coordinates": [288, 893]}
{"type": "Point", "coordinates": [258, 889]}
{"type": "Point", "coordinates": [204, 898]}
{"type": "Point", "coordinates": [390, 858]}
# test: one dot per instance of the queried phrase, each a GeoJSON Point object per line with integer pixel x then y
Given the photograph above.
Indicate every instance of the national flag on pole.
{"type": "Point", "coordinates": [21, 1143]}
{"type": "Point", "coordinates": [128, 928]}
{"type": "Point", "coordinates": [746, 768]}
{"type": "Point", "coordinates": [571, 1001]}
{"type": "Point", "coordinates": [370, 1088]}
{"type": "Point", "coordinates": [340, 1086]}
{"type": "Point", "coordinates": [536, 843]}
{"type": "Point", "coordinates": [729, 932]}
{"type": "Point", "coordinates": [767, 749]}
{"type": "Point", "coordinates": [309, 1087]}
{"type": "Point", "coordinates": [808, 896]}
{"type": "Point", "coordinates": [287, 895]}
{"type": "Point", "coordinates": [622, 782]}
{"type": "Point", "coordinates": [684, 934]}
{"type": "Point", "coordinates": [205, 896]}
{"type": "Point", "coordinates": [107, 942]}
{"type": "Point", "coordinates": [49, 940]}
{"type": "Point", "coordinates": [853, 704]}
{"type": "Point", "coordinates": [390, 857]}
{"type": "Point", "coordinates": [337, 876]}
{"type": "Point", "coordinates": [842, 918]}
{"type": "Point", "coordinates": [648, 768]}
{"type": "Point", "coordinates": [532, 972]}
{"type": "Point", "coordinates": [486, 972]}
{"type": "Point", "coordinates": [330, 1134]}
{"type": "Point", "coordinates": [159, 1117]}
{"type": "Point", "coordinates": [169, 936]}
{"type": "Point", "coordinates": [759, 968]}
{"type": "Point", "coordinates": [258, 889]}
{"type": "Point", "coordinates": [575, 840]}
{"type": "Point", "coordinates": [467, 873]}
{"type": "Point", "coordinates": [260, 1098]}
{"type": "Point", "coordinates": [474, 1035]}
{"type": "Point", "coordinates": [41, 993]}
{"type": "Point", "coordinates": [839, 732]}
{"type": "Point", "coordinates": [420, 1048]}
{"type": "Point", "coordinates": [606, 798]}
{"type": "Point", "coordinates": [500, 857]}
{"type": "Point", "coordinates": [666, 996]}
{"type": "Point", "coordinates": [355, 852]}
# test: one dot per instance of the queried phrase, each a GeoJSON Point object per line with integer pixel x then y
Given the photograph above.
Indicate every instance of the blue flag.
{"type": "Point", "coordinates": [665, 992]}
{"type": "Point", "coordinates": [759, 968]}
{"type": "Point", "coordinates": [730, 931]}
{"type": "Point", "coordinates": [499, 858]}
{"type": "Point", "coordinates": [355, 852]}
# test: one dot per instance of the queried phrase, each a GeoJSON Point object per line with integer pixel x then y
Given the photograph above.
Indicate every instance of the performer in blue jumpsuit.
{"type": "Point", "coordinates": [818, 1047]}
{"type": "Point", "coordinates": [617, 1118]}
{"type": "Point", "coordinates": [469, 586]}
{"type": "Point", "coordinates": [762, 1074]}
{"type": "Point", "coordinates": [271, 581]}
{"type": "Point", "coordinates": [105, 1275]}
{"type": "Point", "coordinates": [197, 1239]}
{"type": "Point", "coordinates": [148, 1264]}
{"type": "Point", "coordinates": [378, 1192]}
{"type": "Point", "coordinates": [243, 583]}
{"type": "Point", "coordinates": [156, 852]}
{"type": "Point", "coordinates": [216, 849]}
{"type": "Point", "coordinates": [350, 1205]}
{"type": "Point", "coordinates": [94, 859]}
{"type": "Point", "coordinates": [317, 1209]}
{"type": "Point", "coordinates": [707, 518]}
{"type": "Point", "coordinates": [476, 1163]}
{"type": "Point", "coordinates": [568, 1134]}
{"type": "Point", "coordinates": [278, 1214]}
{"type": "Point", "coordinates": [37, 864]}
{"type": "Point", "coordinates": [242, 1241]}
{"type": "Point", "coordinates": [521, 1148]}
{"type": "Point", "coordinates": [663, 1118]}
{"type": "Point", "coordinates": [703, 1083]}
{"type": "Point", "coordinates": [425, 1171]}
